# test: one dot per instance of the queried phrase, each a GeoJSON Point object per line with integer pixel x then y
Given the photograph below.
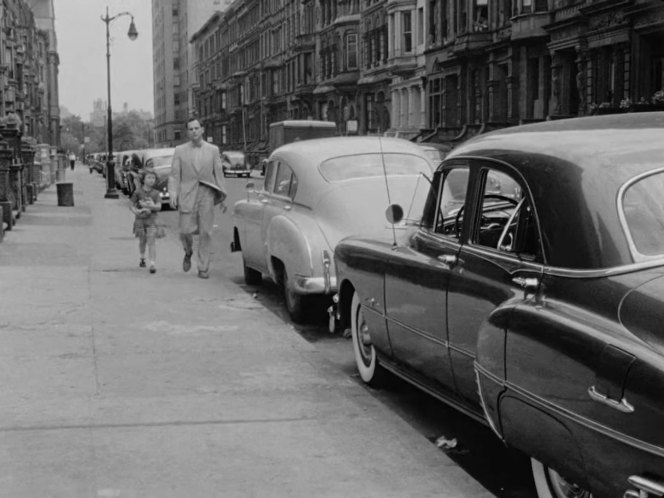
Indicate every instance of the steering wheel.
{"type": "Point", "coordinates": [457, 218]}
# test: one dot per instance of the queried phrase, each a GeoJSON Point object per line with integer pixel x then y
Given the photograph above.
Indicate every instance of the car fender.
{"type": "Point", "coordinates": [490, 363]}
{"type": "Point", "coordinates": [298, 243]}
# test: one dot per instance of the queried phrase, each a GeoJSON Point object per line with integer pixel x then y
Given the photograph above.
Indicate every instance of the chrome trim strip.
{"type": "Point", "coordinates": [603, 272]}
{"type": "Point", "coordinates": [419, 332]}
{"type": "Point", "coordinates": [589, 424]}
{"type": "Point", "coordinates": [431, 392]}
{"type": "Point", "coordinates": [488, 418]}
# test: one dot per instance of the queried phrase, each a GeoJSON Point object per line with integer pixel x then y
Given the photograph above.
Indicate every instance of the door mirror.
{"type": "Point", "coordinates": [394, 213]}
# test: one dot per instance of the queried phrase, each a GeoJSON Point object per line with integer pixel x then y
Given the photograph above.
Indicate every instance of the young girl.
{"type": "Point", "coordinates": [145, 203]}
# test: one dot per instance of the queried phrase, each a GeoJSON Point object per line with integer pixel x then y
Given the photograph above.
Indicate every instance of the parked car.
{"type": "Point", "coordinates": [315, 193]}
{"type": "Point", "coordinates": [532, 299]}
{"type": "Point", "coordinates": [436, 151]}
{"type": "Point", "coordinates": [234, 162]}
{"type": "Point", "coordinates": [122, 159]}
{"type": "Point", "coordinates": [159, 160]}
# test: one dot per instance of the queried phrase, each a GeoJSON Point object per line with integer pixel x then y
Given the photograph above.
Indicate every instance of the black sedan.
{"type": "Point", "coordinates": [530, 296]}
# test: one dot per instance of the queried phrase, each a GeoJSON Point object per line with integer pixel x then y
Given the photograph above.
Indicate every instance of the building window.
{"type": "Point", "coordinates": [370, 113]}
{"type": "Point", "coordinates": [407, 32]}
{"type": "Point", "coordinates": [481, 15]}
{"type": "Point", "coordinates": [351, 51]}
{"type": "Point", "coordinates": [420, 26]}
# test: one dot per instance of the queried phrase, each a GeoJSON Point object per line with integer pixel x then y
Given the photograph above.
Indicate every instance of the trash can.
{"type": "Point", "coordinates": [65, 194]}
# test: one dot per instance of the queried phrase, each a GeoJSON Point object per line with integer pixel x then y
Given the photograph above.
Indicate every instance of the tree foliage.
{"type": "Point", "coordinates": [130, 131]}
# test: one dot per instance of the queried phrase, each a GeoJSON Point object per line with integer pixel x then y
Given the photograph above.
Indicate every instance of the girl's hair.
{"type": "Point", "coordinates": [147, 172]}
{"type": "Point", "coordinates": [135, 160]}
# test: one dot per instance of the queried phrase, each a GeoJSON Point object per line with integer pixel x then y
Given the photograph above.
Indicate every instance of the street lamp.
{"type": "Point", "coordinates": [111, 193]}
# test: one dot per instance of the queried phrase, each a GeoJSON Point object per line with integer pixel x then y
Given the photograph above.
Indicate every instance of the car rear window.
{"type": "Point", "coordinates": [159, 161]}
{"type": "Point", "coordinates": [368, 165]}
{"type": "Point", "coordinates": [643, 209]}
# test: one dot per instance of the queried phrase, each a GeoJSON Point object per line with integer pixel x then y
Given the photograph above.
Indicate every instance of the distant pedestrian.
{"type": "Point", "coordinates": [145, 202]}
{"type": "Point", "coordinates": [196, 186]}
{"type": "Point", "coordinates": [72, 160]}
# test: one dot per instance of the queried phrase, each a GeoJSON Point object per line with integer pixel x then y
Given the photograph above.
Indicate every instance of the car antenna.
{"type": "Point", "coordinates": [387, 187]}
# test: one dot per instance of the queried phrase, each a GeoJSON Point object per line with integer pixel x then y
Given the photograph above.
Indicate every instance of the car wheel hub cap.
{"type": "Point", "coordinates": [565, 489]}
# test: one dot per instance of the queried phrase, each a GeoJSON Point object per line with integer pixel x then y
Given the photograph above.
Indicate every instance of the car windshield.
{"type": "Point", "coordinates": [235, 159]}
{"type": "Point", "coordinates": [643, 209]}
{"type": "Point", "coordinates": [155, 162]}
{"type": "Point", "coordinates": [374, 164]}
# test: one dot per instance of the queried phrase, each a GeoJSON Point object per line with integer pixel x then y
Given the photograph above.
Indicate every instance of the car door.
{"type": "Point", "coordinates": [253, 247]}
{"type": "Point", "coordinates": [277, 202]}
{"type": "Point", "coordinates": [491, 269]}
{"type": "Point", "coordinates": [417, 277]}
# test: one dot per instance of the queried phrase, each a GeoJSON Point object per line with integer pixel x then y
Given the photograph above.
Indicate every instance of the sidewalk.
{"type": "Point", "coordinates": [118, 383]}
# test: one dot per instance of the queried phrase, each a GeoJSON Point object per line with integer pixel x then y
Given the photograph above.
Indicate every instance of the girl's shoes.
{"type": "Point", "coordinates": [141, 263]}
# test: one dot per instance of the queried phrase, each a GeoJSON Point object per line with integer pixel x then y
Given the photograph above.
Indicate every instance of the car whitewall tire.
{"type": "Point", "coordinates": [365, 354]}
{"type": "Point", "coordinates": [550, 484]}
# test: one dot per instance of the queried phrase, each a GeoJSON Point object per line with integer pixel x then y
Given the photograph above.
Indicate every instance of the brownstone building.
{"type": "Point", "coordinates": [436, 70]}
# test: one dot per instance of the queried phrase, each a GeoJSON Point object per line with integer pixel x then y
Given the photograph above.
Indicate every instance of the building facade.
{"type": "Point", "coordinates": [433, 70]}
{"type": "Point", "coordinates": [29, 69]}
{"type": "Point", "coordinates": [173, 22]}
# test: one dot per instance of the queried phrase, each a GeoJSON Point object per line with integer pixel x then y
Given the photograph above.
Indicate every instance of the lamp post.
{"type": "Point", "coordinates": [111, 193]}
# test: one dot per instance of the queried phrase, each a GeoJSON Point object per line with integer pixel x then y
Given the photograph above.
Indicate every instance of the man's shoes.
{"type": "Point", "coordinates": [153, 269]}
{"type": "Point", "coordinates": [203, 274]}
{"type": "Point", "coordinates": [186, 262]}
{"type": "Point", "coordinates": [141, 263]}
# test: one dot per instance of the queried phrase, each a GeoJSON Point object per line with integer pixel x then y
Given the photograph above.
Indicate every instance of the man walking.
{"type": "Point", "coordinates": [72, 160]}
{"type": "Point", "coordinates": [196, 186]}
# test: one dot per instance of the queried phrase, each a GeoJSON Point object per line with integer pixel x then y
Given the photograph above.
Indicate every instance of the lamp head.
{"type": "Point", "coordinates": [132, 33]}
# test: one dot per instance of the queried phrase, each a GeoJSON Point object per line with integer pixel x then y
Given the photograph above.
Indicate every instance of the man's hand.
{"type": "Point", "coordinates": [173, 201]}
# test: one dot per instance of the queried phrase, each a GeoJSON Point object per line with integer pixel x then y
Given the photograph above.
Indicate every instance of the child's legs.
{"type": "Point", "coordinates": [142, 241]}
{"type": "Point", "coordinates": [152, 246]}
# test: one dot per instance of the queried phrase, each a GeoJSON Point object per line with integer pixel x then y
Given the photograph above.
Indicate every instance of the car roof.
{"type": "Point", "coordinates": [575, 169]}
{"type": "Point", "coordinates": [148, 153]}
{"type": "Point", "coordinates": [305, 156]}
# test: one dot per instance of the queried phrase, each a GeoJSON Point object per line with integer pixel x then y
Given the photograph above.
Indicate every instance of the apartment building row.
{"type": "Point", "coordinates": [29, 104]}
{"type": "Point", "coordinates": [29, 69]}
{"type": "Point", "coordinates": [439, 70]}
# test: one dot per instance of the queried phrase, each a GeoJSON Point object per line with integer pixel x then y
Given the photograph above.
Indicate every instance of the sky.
{"type": "Point", "coordinates": [81, 37]}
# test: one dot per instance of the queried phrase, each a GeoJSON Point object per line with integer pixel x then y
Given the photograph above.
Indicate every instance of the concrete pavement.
{"type": "Point", "coordinates": [118, 383]}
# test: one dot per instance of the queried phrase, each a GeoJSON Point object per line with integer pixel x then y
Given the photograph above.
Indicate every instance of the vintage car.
{"type": "Point", "coordinates": [159, 160]}
{"type": "Point", "coordinates": [234, 162]}
{"type": "Point", "coordinates": [436, 151]}
{"type": "Point", "coordinates": [531, 297]}
{"type": "Point", "coordinates": [315, 193]}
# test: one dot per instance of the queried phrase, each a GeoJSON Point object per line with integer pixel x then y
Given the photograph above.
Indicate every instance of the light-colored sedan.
{"type": "Point", "coordinates": [315, 193]}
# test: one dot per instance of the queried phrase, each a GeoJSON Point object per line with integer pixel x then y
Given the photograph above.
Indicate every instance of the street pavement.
{"type": "Point", "coordinates": [119, 383]}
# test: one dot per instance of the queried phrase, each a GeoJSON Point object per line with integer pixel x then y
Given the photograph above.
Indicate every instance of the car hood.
{"type": "Point", "coordinates": [358, 207]}
{"type": "Point", "coordinates": [642, 312]}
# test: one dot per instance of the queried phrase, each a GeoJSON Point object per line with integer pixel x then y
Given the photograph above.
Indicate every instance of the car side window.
{"type": "Point", "coordinates": [506, 221]}
{"type": "Point", "coordinates": [270, 172]}
{"type": "Point", "coordinates": [283, 180]}
{"type": "Point", "coordinates": [451, 200]}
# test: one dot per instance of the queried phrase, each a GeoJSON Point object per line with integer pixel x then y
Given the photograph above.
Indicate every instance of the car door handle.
{"type": "Point", "coordinates": [622, 406]}
{"type": "Point", "coordinates": [264, 200]}
{"type": "Point", "coordinates": [448, 259]}
{"type": "Point", "coordinates": [287, 207]}
{"type": "Point", "coordinates": [526, 283]}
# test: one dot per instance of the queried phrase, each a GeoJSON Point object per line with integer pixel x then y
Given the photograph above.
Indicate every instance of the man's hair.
{"type": "Point", "coordinates": [193, 118]}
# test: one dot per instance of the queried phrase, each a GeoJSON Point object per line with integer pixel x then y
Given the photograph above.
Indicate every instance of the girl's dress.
{"type": "Point", "coordinates": [145, 224]}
